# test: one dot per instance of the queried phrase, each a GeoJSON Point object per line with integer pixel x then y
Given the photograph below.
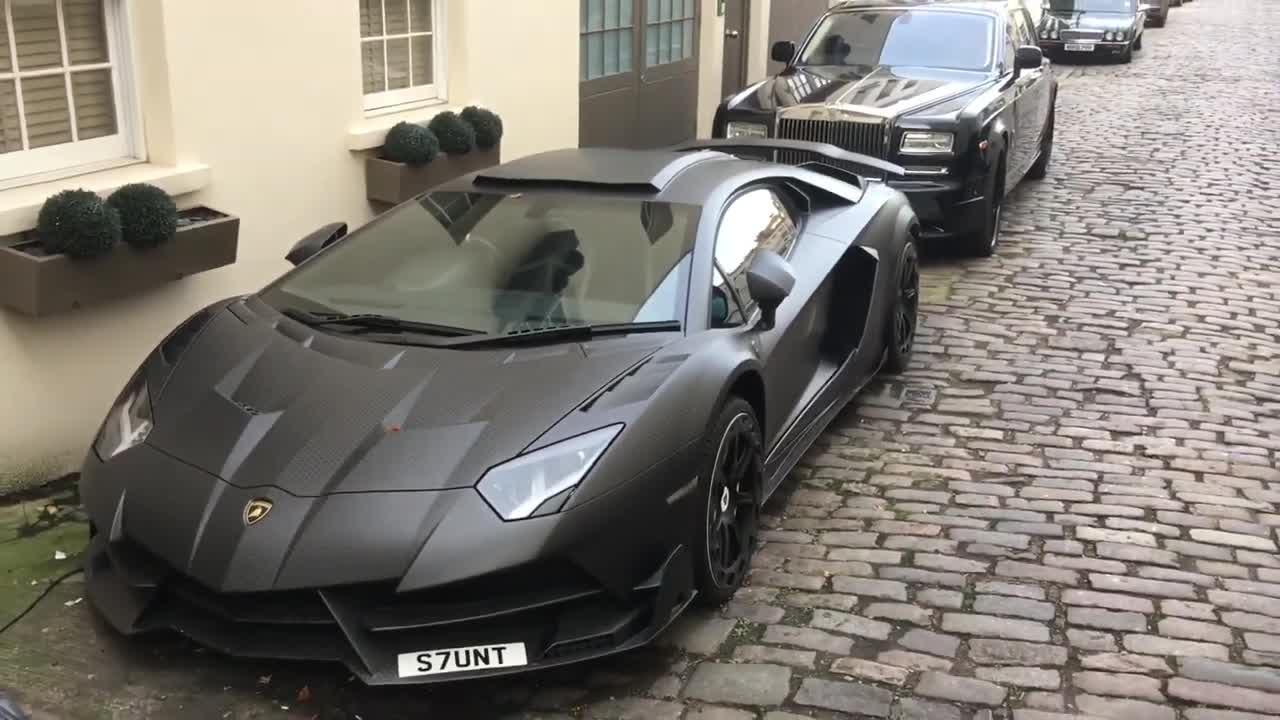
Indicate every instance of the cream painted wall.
{"type": "Point", "coordinates": [264, 93]}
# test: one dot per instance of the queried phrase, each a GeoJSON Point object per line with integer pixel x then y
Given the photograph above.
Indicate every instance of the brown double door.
{"type": "Point", "coordinates": [638, 72]}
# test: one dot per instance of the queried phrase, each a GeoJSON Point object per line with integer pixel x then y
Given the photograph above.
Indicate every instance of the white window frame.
{"type": "Point", "coordinates": [392, 100]}
{"type": "Point", "coordinates": [24, 167]}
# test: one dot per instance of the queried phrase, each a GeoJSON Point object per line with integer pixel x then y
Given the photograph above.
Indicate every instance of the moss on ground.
{"type": "Point", "coordinates": [32, 532]}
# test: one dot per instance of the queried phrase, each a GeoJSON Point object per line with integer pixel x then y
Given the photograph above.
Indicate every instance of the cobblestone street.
{"type": "Point", "coordinates": [1069, 507]}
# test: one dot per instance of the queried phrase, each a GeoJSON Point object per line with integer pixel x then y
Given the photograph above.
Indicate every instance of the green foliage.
{"type": "Point", "coordinates": [148, 216]}
{"type": "Point", "coordinates": [411, 144]}
{"type": "Point", "coordinates": [487, 125]}
{"type": "Point", "coordinates": [78, 223]}
{"type": "Point", "coordinates": [456, 136]}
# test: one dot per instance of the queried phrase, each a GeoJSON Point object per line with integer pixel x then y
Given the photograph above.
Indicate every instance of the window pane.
{"type": "Point", "coordinates": [626, 14]}
{"type": "Point", "coordinates": [398, 64]}
{"type": "Point", "coordinates": [595, 14]}
{"type": "Point", "coordinates": [665, 13]}
{"type": "Point", "coordinates": [35, 27]}
{"type": "Point", "coordinates": [610, 14]}
{"type": "Point", "coordinates": [625, 50]}
{"type": "Point", "coordinates": [370, 17]}
{"type": "Point", "coordinates": [10, 132]}
{"type": "Point", "coordinates": [375, 78]}
{"type": "Point", "coordinates": [582, 57]}
{"type": "Point", "coordinates": [677, 40]}
{"type": "Point", "coordinates": [651, 11]}
{"type": "Point", "coordinates": [688, 38]}
{"type": "Point", "coordinates": [664, 43]}
{"type": "Point", "coordinates": [651, 46]}
{"type": "Point", "coordinates": [44, 101]}
{"type": "Point", "coordinates": [610, 51]}
{"type": "Point", "coordinates": [86, 31]}
{"type": "Point", "coordinates": [420, 15]}
{"type": "Point", "coordinates": [423, 65]}
{"type": "Point", "coordinates": [397, 15]}
{"type": "Point", "coordinates": [95, 104]}
{"type": "Point", "coordinates": [5, 64]}
{"type": "Point", "coordinates": [595, 55]}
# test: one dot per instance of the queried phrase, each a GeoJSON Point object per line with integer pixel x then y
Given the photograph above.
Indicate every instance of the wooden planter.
{"type": "Point", "coordinates": [37, 284]}
{"type": "Point", "coordinates": [393, 182]}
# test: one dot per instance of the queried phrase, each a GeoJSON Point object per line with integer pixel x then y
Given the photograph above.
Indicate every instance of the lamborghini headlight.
{"type": "Point", "coordinates": [128, 423]}
{"type": "Point", "coordinates": [927, 143]}
{"type": "Point", "coordinates": [747, 130]}
{"type": "Point", "coordinates": [517, 488]}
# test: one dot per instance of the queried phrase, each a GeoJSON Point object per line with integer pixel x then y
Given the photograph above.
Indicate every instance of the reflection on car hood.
{"type": "Point", "coordinates": [884, 89]}
{"type": "Point", "coordinates": [259, 399]}
{"type": "Point", "coordinates": [1087, 21]}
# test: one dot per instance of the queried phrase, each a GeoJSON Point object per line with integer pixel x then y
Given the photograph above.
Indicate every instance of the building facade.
{"type": "Point", "coordinates": [268, 111]}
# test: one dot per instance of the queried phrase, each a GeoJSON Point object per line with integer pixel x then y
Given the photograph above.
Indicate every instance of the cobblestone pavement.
{"type": "Point", "coordinates": [1069, 506]}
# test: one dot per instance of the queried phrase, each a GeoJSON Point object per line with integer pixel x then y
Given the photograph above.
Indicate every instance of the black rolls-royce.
{"type": "Point", "coordinates": [1098, 28]}
{"type": "Point", "coordinates": [955, 92]}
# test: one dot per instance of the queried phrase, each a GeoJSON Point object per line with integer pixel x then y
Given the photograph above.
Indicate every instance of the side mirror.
{"type": "Point", "coordinates": [783, 51]}
{"type": "Point", "coordinates": [316, 241]}
{"type": "Point", "coordinates": [769, 281]}
{"type": "Point", "coordinates": [1028, 57]}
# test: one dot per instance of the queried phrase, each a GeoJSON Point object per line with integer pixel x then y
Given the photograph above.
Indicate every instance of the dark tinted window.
{"type": "Point", "coordinates": [495, 262]}
{"type": "Point", "coordinates": [755, 220]}
{"type": "Point", "coordinates": [1023, 34]}
{"type": "Point", "coordinates": [922, 38]}
{"type": "Point", "coordinates": [1092, 5]}
{"type": "Point", "coordinates": [1011, 43]}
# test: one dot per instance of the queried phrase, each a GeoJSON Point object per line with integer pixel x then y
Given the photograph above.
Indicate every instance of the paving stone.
{"type": "Point", "coordinates": [698, 634]}
{"type": "Point", "coordinates": [779, 715]}
{"type": "Point", "coordinates": [930, 642]}
{"type": "Point", "coordinates": [1139, 586]}
{"type": "Point", "coordinates": [1126, 663]}
{"type": "Point", "coordinates": [1091, 640]}
{"type": "Point", "coordinates": [1192, 610]}
{"type": "Point", "coordinates": [1209, 693]}
{"type": "Point", "coordinates": [996, 587]}
{"type": "Point", "coordinates": [923, 577]}
{"type": "Point", "coordinates": [1111, 601]}
{"type": "Point", "coordinates": [1248, 542]}
{"type": "Point", "coordinates": [711, 712]}
{"type": "Point", "coordinates": [1156, 645]}
{"type": "Point", "coordinates": [1019, 607]}
{"type": "Point", "coordinates": [935, 597]}
{"type": "Point", "coordinates": [1136, 553]}
{"type": "Point", "coordinates": [960, 689]}
{"type": "Point", "coordinates": [1025, 677]}
{"type": "Point", "coordinates": [1123, 709]}
{"type": "Point", "coordinates": [1215, 714]}
{"type": "Point", "coordinates": [847, 697]}
{"type": "Point", "coordinates": [949, 563]}
{"type": "Point", "coordinates": [807, 638]}
{"type": "Point", "coordinates": [1025, 714]}
{"type": "Point", "coordinates": [889, 589]}
{"type": "Point", "coordinates": [775, 656]}
{"type": "Point", "coordinates": [1216, 671]}
{"type": "Point", "coordinates": [835, 601]}
{"type": "Point", "coordinates": [869, 555]}
{"type": "Point", "coordinates": [913, 660]}
{"type": "Point", "coordinates": [850, 624]}
{"type": "Point", "coordinates": [993, 626]}
{"type": "Point", "coordinates": [910, 708]}
{"type": "Point", "coordinates": [1139, 687]}
{"type": "Point", "coordinates": [902, 612]}
{"type": "Point", "coordinates": [754, 612]}
{"type": "Point", "coordinates": [1194, 630]}
{"type": "Point", "coordinates": [1259, 604]}
{"type": "Point", "coordinates": [1012, 652]}
{"type": "Point", "coordinates": [1106, 619]}
{"type": "Point", "coordinates": [739, 683]}
{"type": "Point", "coordinates": [1031, 571]}
{"type": "Point", "coordinates": [787, 580]}
{"type": "Point", "coordinates": [868, 670]}
{"type": "Point", "coordinates": [1262, 642]}
{"type": "Point", "coordinates": [902, 527]}
{"type": "Point", "coordinates": [1093, 534]}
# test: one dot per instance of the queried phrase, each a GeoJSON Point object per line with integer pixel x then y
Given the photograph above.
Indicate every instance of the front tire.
{"type": "Point", "coordinates": [731, 469]}
{"type": "Point", "coordinates": [1040, 169]}
{"type": "Point", "coordinates": [983, 241]}
{"type": "Point", "coordinates": [906, 313]}
{"type": "Point", "coordinates": [1137, 44]}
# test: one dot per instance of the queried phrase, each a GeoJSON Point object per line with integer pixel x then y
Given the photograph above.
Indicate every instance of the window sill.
{"type": "Point", "coordinates": [372, 131]}
{"type": "Point", "coordinates": [20, 206]}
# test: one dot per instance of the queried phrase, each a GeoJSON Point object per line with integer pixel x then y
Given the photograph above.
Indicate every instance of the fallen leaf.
{"type": "Point", "coordinates": [69, 603]}
{"type": "Point", "coordinates": [304, 695]}
{"type": "Point", "coordinates": [59, 555]}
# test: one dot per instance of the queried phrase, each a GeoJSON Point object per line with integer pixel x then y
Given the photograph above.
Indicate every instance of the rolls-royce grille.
{"type": "Point", "coordinates": [1081, 35]}
{"type": "Point", "coordinates": [866, 138]}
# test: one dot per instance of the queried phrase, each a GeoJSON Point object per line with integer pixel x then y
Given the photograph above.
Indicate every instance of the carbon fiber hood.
{"type": "Point", "coordinates": [260, 400]}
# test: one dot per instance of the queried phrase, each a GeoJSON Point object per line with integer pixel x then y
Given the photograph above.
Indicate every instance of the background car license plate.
{"type": "Point", "coordinates": [461, 659]}
{"type": "Point", "coordinates": [1080, 47]}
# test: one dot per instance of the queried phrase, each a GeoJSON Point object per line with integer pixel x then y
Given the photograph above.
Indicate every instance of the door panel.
{"type": "Point", "coordinates": [734, 75]}
{"type": "Point", "coordinates": [638, 72]}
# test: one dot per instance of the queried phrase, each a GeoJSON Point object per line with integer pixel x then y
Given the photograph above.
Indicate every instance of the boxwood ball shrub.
{"type": "Point", "coordinates": [486, 123]}
{"type": "Point", "coordinates": [148, 216]}
{"type": "Point", "coordinates": [77, 223]}
{"type": "Point", "coordinates": [456, 136]}
{"type": "Point", "coordinates": [410, 143]}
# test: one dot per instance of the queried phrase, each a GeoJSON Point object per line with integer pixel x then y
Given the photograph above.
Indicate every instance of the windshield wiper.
{"type": "Point", "coordinates": [375, 322]}
{"type": "Point", "coordinates": [571, 332]}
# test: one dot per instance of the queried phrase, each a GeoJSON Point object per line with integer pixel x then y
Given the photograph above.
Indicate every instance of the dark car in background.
{"type": "Point", "coordinates": [1157, 12]}
{"type": "Point", "coordinates": [957, 93]}
{"type": "Point", "coordinates": [1092, 28]}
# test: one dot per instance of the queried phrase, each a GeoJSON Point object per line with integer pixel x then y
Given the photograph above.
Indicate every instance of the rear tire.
{"type": "Point", "coordinates": [983, 241]}
{"type": "Point", "coordinates": [1040, 169]}
{"type": "Point", "coordinates": [730, 479]}
{"type": "Point", "coordinates": [1137, 44]}
{"type": "Point", "coordinates": [906, 313]}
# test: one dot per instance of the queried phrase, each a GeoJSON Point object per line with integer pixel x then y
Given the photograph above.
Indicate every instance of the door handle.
{"type": "Point", "coordinates": [731, 33]}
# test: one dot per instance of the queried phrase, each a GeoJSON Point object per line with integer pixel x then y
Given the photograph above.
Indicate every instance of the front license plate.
{"type": "Point", "coordinates": [1079, 47]}
{"type": "Point", "coordinates": [461, 659]}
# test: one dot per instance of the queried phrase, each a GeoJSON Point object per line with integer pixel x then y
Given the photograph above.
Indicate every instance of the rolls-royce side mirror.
{"type": "Point", "coordinates": [783, 51]}
{"type": "Point", "coordinates": [1028, 57]}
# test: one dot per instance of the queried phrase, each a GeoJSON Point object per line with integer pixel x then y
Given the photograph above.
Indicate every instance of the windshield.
{"type": "Point", "coordinates": [1090, 5]}
{"type": "Point", "coordinates": [498, 263]}
{"type": "Point", "coordinates": [902, 37]}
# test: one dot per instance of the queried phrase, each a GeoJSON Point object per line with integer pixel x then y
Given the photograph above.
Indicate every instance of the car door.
{"type": "Point", "coordinates": [1027, 103]}
{"type": "Point", "coordinates": [1038, 81]}
{"type": "Point", "coordinates": [761, 217]}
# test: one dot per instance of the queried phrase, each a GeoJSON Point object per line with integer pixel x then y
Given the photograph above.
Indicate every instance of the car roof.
{"type": "Point", "coordinates": [675, 176]}
{"type": "Point", "coordinates": [993, 6]}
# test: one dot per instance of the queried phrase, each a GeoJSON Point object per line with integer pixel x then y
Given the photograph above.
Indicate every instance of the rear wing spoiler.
{"type": "Point", "coordinates": [771, 146]}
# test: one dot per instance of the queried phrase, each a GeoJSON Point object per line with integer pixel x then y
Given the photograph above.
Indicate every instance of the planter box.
{"type": "Point", "coordinates": [393, 182]}
{"type": "Point", "coordinates": [38, 284]}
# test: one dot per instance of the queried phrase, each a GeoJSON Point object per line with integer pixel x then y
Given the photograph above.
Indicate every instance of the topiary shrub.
{"type": "Point", "coordinates": [411, 144]}
{"type": "Point", "coordinates": [77, 223]}
{"type": "Point", "coordinates": [487, 125]}
{"type": "Point", "coordinates": [148, 216]}
{"type": "Point", "coordinates": [456, 136]}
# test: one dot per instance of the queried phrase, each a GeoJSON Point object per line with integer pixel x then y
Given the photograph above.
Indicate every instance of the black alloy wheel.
{"type": "Point", "coordinates": [906, 312]}
{"type": "Point", "coordinates": [731, 510]}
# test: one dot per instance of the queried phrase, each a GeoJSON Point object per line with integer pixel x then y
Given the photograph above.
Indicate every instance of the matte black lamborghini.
{"type": "Point", "coordinates": [519, 421]}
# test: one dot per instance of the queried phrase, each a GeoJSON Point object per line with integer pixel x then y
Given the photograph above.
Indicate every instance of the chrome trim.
{"type": "Point", "coordinates": [935, 171]}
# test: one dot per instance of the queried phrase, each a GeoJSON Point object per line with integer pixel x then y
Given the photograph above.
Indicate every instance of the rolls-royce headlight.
{"type": "Point", "coordinates": [517, 488]}
{"type": "Point", "coordinates": [128, 423]}
{"type": "Point", "coordinates": [1044, 34]}
{"type": "Point", "coordinates": [746, 129]}
{"type": "Point", "coordinates": [1054, 34]}
{"type": "Point", "coordinates": [1119, 35]}
{"type": "Point", "coordinates": [927, 143]}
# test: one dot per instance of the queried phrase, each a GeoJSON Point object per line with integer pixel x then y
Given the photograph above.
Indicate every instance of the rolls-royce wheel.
{"type": "Point", "coordinates": [731, 471]}
{"type": "Point", "coordinates": [1137, 44]}
{"type": "Point", "coordinates": [1041, 167]}
{"type": "Point", "coordinates": [983, 241]}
